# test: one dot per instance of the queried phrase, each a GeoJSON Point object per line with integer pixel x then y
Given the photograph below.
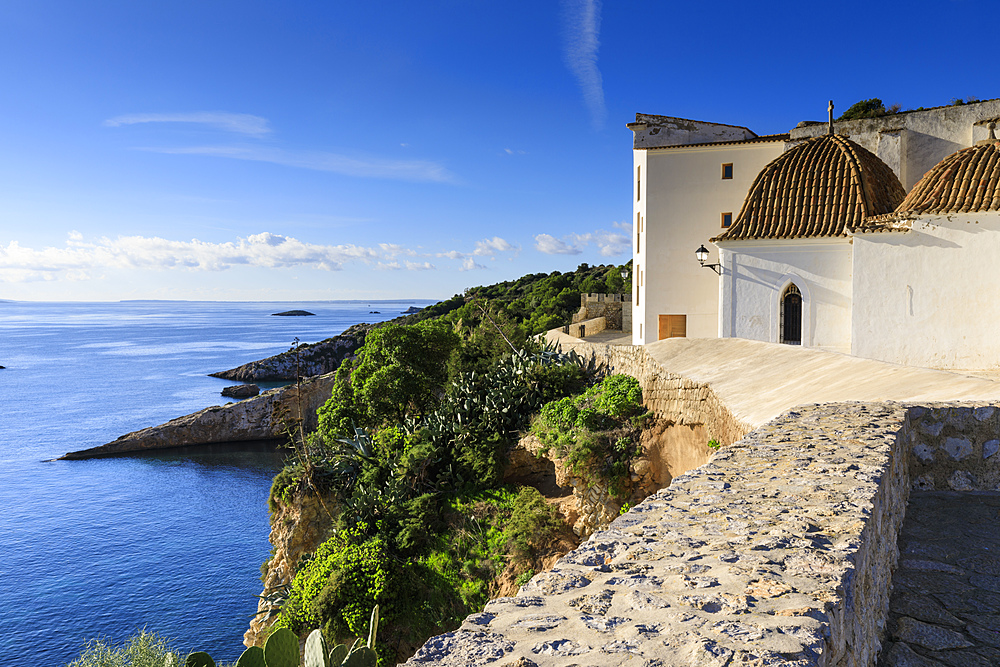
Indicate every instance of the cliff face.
{"type": "Point", "coordinates": [264, 417]}
{"type": "Point", "coordinates": [316, 359]}
{"type": "Point", "coordinates": [297, 529]}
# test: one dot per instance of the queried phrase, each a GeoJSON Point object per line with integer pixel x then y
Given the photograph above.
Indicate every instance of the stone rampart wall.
{"type": "Point", "coordinates": [779, 551]}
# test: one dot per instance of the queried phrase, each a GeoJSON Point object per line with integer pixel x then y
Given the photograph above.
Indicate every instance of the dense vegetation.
{"type": "Point", "coordinates": [409, 454]}
{"type": "Point", "coordinates": [598, 431]}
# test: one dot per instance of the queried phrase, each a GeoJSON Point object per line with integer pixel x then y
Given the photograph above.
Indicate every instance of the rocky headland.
{"type": "Point", "coordinates": [268, 416]}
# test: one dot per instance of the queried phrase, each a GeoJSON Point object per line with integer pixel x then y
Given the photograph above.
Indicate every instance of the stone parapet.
{"type": "Point", "coordinates": [778, 551]}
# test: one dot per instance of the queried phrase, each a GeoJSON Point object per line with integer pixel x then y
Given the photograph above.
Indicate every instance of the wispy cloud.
{"type": "Point", "coordinates": [241, 123]}
{"type": "Point", "coordinates": [81, 259]}
{"type": "Point", "coordinates": [406, 170]}
{"type": "Point", "coordinates": [490, 247]}
{"type": "Point", "coordinates": [408, 265]}
{"type": "Point", "coordinates": [609, 244]}
{"type": "Point", "coordinates": [471, 265]}
{"type": "Point", "coordinates": [485, 248]}
{"type": "Point", "coordinates": [581, 41]}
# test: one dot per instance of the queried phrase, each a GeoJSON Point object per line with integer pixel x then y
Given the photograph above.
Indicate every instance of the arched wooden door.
{"type": "Point", "coordinates": [791, 316]}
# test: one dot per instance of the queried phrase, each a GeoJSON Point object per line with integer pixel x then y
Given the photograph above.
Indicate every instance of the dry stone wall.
{"type": "Point", "coordinates": [779, 551]}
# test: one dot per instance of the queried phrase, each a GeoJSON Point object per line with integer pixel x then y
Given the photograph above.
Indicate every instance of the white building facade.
{"type": "Point", "coordinates": [823, 247]}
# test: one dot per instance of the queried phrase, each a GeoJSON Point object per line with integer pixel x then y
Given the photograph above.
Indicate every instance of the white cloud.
{"type": "Point", "coordinates": [241, 123]}
{"type": "Point", "coordinates": [513, 151]}
{"type": "Point", "coordinates": [82, 260]}
{"type": "Point", "coordinates": [627, 226]}
{"type": "Point", "coordinates": [550, 245]}
{"type": "Point", "coordinates": [609, 244]}
{"type": "Point", "coordinates": [368, 167]}
{"type": "Point", "coordinates": [394, 250]}
{"type": "Point", "coordinates": [396, 265]}
{"type": "Point", "coordinates": [581, 33]}
{"type": "Point", "coordinates": [494, 245]}
{"type": "Point", "coordinates": [471, 265]}
{"type": "Point", "coordinates": [452, 254]}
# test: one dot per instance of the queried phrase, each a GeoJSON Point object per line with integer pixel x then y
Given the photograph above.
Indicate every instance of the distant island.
{"type": "Point", "coordinates": [292, 313]}
{"type": "Point", "coordinates": [411, 310]}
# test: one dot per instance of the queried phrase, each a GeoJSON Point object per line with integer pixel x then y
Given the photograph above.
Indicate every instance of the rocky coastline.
{"type": "Point", "coordinates": [265, 417]}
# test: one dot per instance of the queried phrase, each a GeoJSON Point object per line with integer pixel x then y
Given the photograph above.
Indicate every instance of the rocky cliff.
{"type": "Point", "coordinates": [264, 417]}
{"type": "Point", "coordinates": [297, 529]}
{"type": "Point", "coordinates": [314, 359]}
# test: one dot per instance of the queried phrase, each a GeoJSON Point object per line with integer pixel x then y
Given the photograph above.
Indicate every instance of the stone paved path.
{"type": "Point", "coordinates": [945, 605]}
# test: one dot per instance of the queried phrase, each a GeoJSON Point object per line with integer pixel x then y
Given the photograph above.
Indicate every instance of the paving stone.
{"type": "Point", "coordinates": [929, 636]}
{"type": "Point", "coordinates": [923, 608]}
{"type": "Point", "coordinates": [901, 655]}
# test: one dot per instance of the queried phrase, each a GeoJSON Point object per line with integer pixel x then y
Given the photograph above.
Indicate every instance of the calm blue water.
{"type": "Point", "coordinates": [171, 542]}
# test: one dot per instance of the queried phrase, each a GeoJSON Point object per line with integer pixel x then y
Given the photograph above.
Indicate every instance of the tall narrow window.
{"type": "Point", "coordinates": [638, 230]}
{"type": "Point", "coordinates": [791, 316]}
{"type": "Point", "coordinates": [637, 283]}
{"type": "Point", "coordinates": [727, 220]}
{"type": "Point", "coordinates": [727, 171]}
{"type": "Point", "coordinates": [638, 183]}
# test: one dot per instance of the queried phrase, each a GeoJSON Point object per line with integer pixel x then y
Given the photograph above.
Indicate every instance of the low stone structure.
{"type": "Point", "coordinates": [779, 550]}
{"type": "Point", "coordinates": [616, 309]}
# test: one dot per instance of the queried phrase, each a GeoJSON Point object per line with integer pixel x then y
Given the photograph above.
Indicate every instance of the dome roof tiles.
{"type": "Point", "coordinates": [820, 188]}
{"type": "Point", "coordinates": [964, 182]}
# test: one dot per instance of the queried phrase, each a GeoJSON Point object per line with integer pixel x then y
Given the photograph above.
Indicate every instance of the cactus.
{"type": "Point", "coordinates": [373, 628]}
{"type": "Point", "coordinates": [199, 659]}
{"type": "Point", "coordinates": [316, 654]}
{"type": "Point", "coordinates": [362, 657]}
{"type": "Point", "coordinates": [252, 657]}
{"type": "Point", "coordinates": [282, 649]}
{"type": "Point", "coordinates": [338, 654]}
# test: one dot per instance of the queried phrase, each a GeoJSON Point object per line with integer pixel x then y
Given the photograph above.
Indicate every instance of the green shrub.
{"type": "Point", "coordinates": [598, 431]}
{"type": "Point", "coordinates": [143, 649]}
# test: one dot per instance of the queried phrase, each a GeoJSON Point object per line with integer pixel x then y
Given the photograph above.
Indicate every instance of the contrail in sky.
{"type": "Point", "coordinates": [582, 29]}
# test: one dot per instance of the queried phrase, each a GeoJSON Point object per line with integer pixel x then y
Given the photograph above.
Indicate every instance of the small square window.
{"type": "Point", "coordinates": [727, 170]}
{"type": "Point", "coordinates": [727, 220]}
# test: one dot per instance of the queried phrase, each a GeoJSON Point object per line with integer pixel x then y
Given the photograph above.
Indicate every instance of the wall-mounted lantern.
{"type": "Point", "coordinates": [702, 254]}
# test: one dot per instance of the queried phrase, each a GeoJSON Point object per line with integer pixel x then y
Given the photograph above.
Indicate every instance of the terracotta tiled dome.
{"type": "Point", "coordinates": [822, 187]}
{"type": "Point", "coordinates": [963, 182]}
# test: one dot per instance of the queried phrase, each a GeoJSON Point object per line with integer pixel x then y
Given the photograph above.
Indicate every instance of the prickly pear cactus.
{"type": "Point", "coordinates": [252, 657]}
{"type": "Point", "coordinates": [338, 654]}
{"type": "Point", "coordinates": [199, 659]}
{"type": "Point", "coordinates": [316, 653]}
{"type": "Point", "coordinates": [281, 649]}
{"type": "Point", "coordinates": [362, 657]}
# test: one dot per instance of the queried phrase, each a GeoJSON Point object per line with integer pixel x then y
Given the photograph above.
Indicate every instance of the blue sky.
{"type": "Point", "coordinates": [335, 150]}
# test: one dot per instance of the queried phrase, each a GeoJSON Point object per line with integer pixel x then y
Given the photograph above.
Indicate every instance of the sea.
{"type": "Point", "coordinates": [169, 542]}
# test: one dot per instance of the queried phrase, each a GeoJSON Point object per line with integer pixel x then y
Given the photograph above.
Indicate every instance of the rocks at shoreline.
{"type": "Point", "coordinates": [292, 313]}
{"type": "Point", "coordinates": [241, 391]}
{"type": "Point", "coordinates": [411, 310]}
{"type": "Point", "coordinates": [264, 417]}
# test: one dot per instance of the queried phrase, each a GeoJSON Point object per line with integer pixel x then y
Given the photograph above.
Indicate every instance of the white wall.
{"type": "Point", "coordinates": [930, 296]}
{"type": "Point", "coordinates": [683, 196]}
{"type": "Point", "coordinates": [756, 273]}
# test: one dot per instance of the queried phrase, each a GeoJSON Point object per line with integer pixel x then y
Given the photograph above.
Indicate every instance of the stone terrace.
{"type": "Point", "coordinates": [778, 551]}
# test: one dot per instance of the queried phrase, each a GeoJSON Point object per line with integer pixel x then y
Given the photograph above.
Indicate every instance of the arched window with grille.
{"type": "Point", "coordinates": [791, 316]}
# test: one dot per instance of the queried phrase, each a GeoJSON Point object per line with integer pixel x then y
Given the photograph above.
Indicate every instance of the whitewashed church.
{"type": "Point", "coordinates": [876, 237]}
